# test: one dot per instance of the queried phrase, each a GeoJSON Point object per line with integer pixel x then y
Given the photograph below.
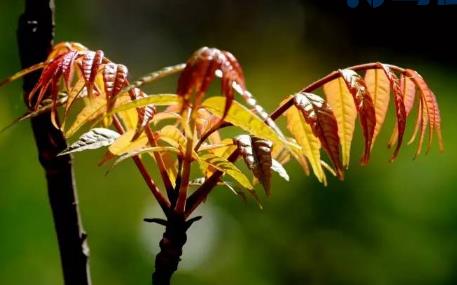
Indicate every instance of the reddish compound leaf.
{"type": "Point", "coordinates": [201, 70]}
{"type": "Point", "coordinates": [379, 86]}
{"type": "Point", "coordinates": [114, 78]}
{"type": "Point", "coordinates": [340, 100]}
{"type": "Point", "coordinates": [68, 68]}
{"type": "Point", "coordinates": [109, 77]}
{"type": "Point", "coordinates": [91, 63]}
{"type": "Point", "coordinates": [408, 89]}
{"type": "Point", "coordinates": [409, 92]}
{"type": "Point", "coordinates": [262, 151]}
{"type": "Point", "coordinates": [365, 108]}
{"type": "Point", "coordinates": [320, 117]}
{"type": "Point", "coordinates": [51, 73]}
{"type": "Point", "coordinates": [257, 156]}
{"type": "Point", "coordinates": [430, 106]}
{"type": "Point", "coordinates": [400, 109]}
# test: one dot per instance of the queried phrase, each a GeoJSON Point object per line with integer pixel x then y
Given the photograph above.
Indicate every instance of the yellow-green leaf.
{"type": "Point", "coordinates": [145, 150]}
{"type": "Point", "coordinates": [90, 112]}
{"type": "Point", "coordinates": [243, 118]}
{"type": "Point", "coordinates": [305, 138]}
{"type": "Point", "coordinates": [124, 143]}
{"type": "Point", "coordinates": [173, 136]}
{"type": "Point", "coordinates": [226, 167]}
{"type": "Point", "coordinates": [340, 100]}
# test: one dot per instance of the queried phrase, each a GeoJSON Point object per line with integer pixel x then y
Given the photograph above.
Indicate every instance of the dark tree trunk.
{"type": "Point", "coordinates": [35, 37]}
{"type": "Point", "coordinates": [171, 245]}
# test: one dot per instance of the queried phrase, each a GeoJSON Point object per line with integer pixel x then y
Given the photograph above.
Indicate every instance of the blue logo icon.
{"type": "Point", "coordinates": [378, 3]}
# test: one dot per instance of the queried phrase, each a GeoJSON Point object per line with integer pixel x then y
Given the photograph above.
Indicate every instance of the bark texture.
{"type": "Point", "coordinates": [35, 38]}
{"type": "Point", "coordinates": [171, 245]}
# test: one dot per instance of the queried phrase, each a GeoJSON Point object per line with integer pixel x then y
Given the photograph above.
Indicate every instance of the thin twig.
{"type": "Point", "coordinates": [332, 76]}
{"type": "Point", "coordinates": [163, 202]}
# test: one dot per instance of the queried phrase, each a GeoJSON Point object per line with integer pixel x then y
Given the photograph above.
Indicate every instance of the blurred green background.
{"type": "Point", "coordinates": [385, 224]}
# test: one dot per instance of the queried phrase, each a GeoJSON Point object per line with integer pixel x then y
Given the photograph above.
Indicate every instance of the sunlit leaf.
{"type": "Point", "coordinates": [257, 155]}
{"type": "Point", "coordinates": [226, 167]}
{"type": "Point", "coordinates": [204, 122]}
{"type": "Point", "coordinates": [201, 70]}
{"type": "Point", "coordinates": [408, 89]}
{"type": "Point", "coordinates": [243, 118]}
{"type": "Point", "coordinates": [320, 118]}
{"type": "Point", "coordinates": [304, 136]}
{"type": "Point", "coordinates": [49, 78]}
{"type": "Point", "coordinates": [173, 136]}
{"type": "Point", "coordinates": [430, 106]}
{"type": "Point", "coordinates": [400, 111]}
{"type": "Point", "coordinates": [91, 63]}
{"type": "Point", "coordinates": [365, 108]}
{"type": "Point", "coordinates": [409, 92]}
{"type": "Point", "coordinates": [140, 151]}
{"type": "Point", "coordinates": [342, 104]}
{"type": "Point", "coordinates": [379, 89]}
{"type": "Point", "coordinates": [124, 143]}
{"type": "Point", "coordinates": [89, 113]}
{"type": "Point", "coordinates": [278, 168]}
{"type": "Point", "coordinates": [171, 165]}
{"type": "Point", "coordinates": [93, 139]}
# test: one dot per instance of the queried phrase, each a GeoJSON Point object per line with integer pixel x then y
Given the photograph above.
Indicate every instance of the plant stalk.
{"type": "Point", "coordinates": [171, 246]}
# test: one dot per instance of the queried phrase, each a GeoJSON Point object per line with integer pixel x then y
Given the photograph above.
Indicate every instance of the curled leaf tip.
{"type": "Point", "coordinates": [200, 71]}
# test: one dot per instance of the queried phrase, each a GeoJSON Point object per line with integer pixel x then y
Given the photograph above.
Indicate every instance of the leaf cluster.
{"type": "Point", "coordinates": [183, 129]}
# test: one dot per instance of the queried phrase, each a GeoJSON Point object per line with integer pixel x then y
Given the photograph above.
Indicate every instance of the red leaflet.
{"type": "Point", "coordinates": [431, 109]}
{"type": "Point", "coordinates": [262, 150]}
{"type": "Point", "coordinates": [67, 67]}
{"type": "Point", "coordinates": [400, 110]}
{"type": "Point", "coordinates": [109, 77]}
{"type": "Point", "coordinates": [121, 79]}
{"type": "Point", "coordinates": [201, 70]}
{"type": "Point", "coordinates": [90, 65]}
{"type": "Point", "coordinates": [409, 92]}
{"type": "Point", "coordinates": [438, 122]}
{"type": "Point", "coordinates": [61, 65]}
{"type": "Point", "coordinates": [115, 78]}
{"type": "Point", "coordinates": [320, 117]}
{"type": "Point", "coordinates": [365, 108]}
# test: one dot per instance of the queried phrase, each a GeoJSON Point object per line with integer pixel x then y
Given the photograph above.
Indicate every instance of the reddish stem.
{"type": "Point", "coordinates": [160, 163]}
{"type": "Point", "coordinates": [332, 76]}
{"type": "Point", "coordinates": [163, 202]}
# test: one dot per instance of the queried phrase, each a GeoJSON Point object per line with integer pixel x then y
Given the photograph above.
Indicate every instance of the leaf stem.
{"type": "Point", "coordinates": [160, 163]}
{"type": "Point", "coordinates": [163, 202]}
{"type": "Point", "coordinates": [187, 162]}
{"type": "Point", "coordinates": [154, 76]}
{"type": "Point", "coordinates": [324, 80]}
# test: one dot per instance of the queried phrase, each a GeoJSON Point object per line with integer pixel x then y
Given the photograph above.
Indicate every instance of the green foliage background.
{"type": "Point", "coordinates": [386, 224]}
